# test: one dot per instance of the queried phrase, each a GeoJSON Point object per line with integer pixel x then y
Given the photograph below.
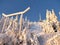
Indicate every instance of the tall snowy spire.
{"type": "Point", "coordinates": [53, 12]}
{"type": "Point", "coordinates": [16, 18]}
{"type": "Point", "coordinates": [48, 15]}
{"type": "Point", "coordinates": [40, 17]}
{"type": "Point", "coordinates": [26, 18]}
{"type": "Point", "coordinates": [59, 16]}
{"type": "Point", "coordinates": [21, 21]}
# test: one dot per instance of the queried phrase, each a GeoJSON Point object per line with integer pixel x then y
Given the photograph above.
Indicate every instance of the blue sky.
{"type": "Point", "coordinates": [37, 7]}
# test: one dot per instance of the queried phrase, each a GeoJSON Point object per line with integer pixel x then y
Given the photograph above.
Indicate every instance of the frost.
{"type": "Point", "coordinates": [24, 32]}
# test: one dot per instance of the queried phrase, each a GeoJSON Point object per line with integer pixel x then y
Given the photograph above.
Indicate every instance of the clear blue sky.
{"type": "Point", "coordinates": [37, 7]}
